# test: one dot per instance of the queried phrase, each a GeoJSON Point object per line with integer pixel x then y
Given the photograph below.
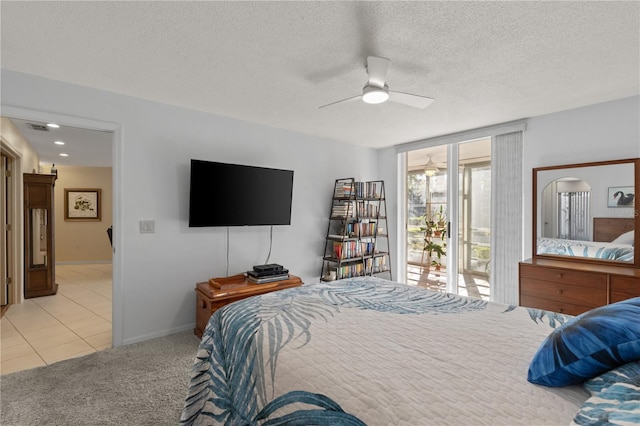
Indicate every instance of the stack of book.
{"type": "Point", "coordinates": [340, 209]}
{"type": "Point", "coordinates": [343, 190]}
{"type": "Point", "coordinates": [267, 273]}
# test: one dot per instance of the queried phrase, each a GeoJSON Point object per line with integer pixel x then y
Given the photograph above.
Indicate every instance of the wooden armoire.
{"type": "Point", "coordinates": [39, 262]}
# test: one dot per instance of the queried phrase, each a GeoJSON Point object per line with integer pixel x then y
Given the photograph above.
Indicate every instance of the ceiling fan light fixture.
{"type": "Point", "coordinates": [430, 168]}
{"type": "Point", "coordinates": [375, 95]}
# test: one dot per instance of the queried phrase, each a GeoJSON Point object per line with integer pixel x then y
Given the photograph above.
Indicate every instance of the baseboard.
{"type": "Point", "coordinates": [84, 262]}
{"type": "Point", "coordinates": [138, 339]}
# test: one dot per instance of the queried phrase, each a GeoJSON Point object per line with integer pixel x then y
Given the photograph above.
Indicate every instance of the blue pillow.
{"type": "Point", "coordinates": [588, 345]}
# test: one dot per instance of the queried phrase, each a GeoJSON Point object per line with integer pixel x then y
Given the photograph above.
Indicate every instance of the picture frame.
{"type": "Point", "coordinates": [82, 205]}
{"type": "Point", "coordinates": [620, 196]}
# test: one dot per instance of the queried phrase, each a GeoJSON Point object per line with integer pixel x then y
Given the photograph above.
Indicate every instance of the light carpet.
{"type": "Point", "coordinates": [139, 384]}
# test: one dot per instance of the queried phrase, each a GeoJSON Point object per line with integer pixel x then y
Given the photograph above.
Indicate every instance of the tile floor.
{"type": "Point", "coordinates": [74, 322]}
{"type": "Point", "coordinates": [469, 284]}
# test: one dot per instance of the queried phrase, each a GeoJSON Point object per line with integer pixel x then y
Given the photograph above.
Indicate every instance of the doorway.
{"type": "Point", "coordinates": [112, 136]}
{"type": "Point", "coordinates": [449, 217]}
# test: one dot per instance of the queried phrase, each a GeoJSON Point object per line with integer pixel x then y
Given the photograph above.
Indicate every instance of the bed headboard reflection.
{"type": "Point", "coordinates": [607, 229]}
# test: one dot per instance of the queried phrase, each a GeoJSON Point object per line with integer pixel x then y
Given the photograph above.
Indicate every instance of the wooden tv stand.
{"type": "Point", "coordinates": [218, 292]}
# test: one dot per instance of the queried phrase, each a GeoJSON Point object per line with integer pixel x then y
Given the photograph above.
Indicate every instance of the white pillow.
{"type": "Point", "coordinates": [626, 238]}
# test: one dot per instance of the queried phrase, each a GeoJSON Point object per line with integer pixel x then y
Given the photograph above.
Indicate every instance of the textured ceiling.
{"type": "Point", "coordinates": [275, 63]}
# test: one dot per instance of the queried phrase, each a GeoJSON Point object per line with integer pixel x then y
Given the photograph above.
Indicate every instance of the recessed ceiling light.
{"type": "Point", "coordinates": [53, 125]}
{"type": "Point", "coordinates": [59, 143]}
{"type": "Point", "coordinates": [64, 155]}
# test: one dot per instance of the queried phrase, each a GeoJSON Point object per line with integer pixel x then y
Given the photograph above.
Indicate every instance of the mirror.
{"type": "Point", "coordinates": [587, 212]}
{"type": "Point", "coordinates": [38, 229]}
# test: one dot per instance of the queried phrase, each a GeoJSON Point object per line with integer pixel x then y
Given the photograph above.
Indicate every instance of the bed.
{"type": "Point", "coordinates": [594, 250]}
{"type": "Point", "coordinates": [370, 351]}
{"type": "Point", "coordinates": [613, 239]}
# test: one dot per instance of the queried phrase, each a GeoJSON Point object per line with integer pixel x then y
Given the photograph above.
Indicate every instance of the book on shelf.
{"type": "Point", "coordinates": [367, 190]}
{"type": "Point", "coordinates": [343, 190]}
{"type": "Point", "coordinates": [341, 209]}
{"type": "Point", "coordinates": [350, 249]}
{"type": "Point", "coordinates": [267, 279]}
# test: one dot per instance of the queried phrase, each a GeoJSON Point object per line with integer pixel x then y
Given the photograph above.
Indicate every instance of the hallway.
{"type": "Point", "coordinates": [74, 322]}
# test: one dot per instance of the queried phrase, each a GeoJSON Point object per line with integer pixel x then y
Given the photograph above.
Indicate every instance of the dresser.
{"type": "Point", "coordinates": [574, 287]}
{"type": "Point", "coordinates": [583, 231]}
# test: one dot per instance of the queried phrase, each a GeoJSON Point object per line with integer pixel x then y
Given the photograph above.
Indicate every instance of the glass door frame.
{"type": "Point", "coordinates": [453, 201]}
{"type": "Point", "coordinates": [452, 207]}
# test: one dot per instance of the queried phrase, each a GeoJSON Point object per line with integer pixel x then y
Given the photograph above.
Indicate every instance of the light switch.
{"type": "Point", "coordinates": [147, 226]}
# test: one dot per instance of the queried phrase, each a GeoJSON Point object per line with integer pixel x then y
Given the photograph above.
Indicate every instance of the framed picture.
{"type": "Point", "coordinates": [620, 196]}
{"type": "Point", "coordinates": [82, 204]}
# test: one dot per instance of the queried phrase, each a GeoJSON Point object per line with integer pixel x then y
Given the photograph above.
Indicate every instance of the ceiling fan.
{"type": "Point", "coordinates": [376, 90]}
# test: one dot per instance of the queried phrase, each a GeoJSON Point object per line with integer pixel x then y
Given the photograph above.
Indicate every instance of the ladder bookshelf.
{"type": "Point", "coordinates": [357, 240]}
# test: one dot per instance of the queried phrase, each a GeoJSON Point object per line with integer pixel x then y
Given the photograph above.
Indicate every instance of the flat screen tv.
{"type": "Point", "coordinates": [224, 194]}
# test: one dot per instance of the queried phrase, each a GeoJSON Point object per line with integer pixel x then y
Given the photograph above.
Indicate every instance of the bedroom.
{"type": "Point", "coordinates": [151, 136]}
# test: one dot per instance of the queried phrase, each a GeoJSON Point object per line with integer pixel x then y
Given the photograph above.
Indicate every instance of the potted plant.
{"type": "Point", "coordinates": [439, 249]}
{"type": "Point", "coordinates": [440, 217]}
{"type": "Point", "coordinates": [435, 233]}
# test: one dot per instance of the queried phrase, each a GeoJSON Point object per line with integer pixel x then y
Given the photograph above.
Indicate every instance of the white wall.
{"type": "Point", "coordinates": [83, 241]}
{"type": "Point", "coordinates": [151, 177]}
{"type": "Point", "coordinates": [606, 131]}
{"type": "Point", "coordinates": [30, 160]}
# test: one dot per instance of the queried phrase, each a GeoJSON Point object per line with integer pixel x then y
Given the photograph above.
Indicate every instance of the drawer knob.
{"type": "Point", "coordinates": [559, 275]}
{"type": "Point", "coordinates": [204, 304]}
{"type": "Point", "coordinates": [561, 310]}
{"type": "Point", "coordinates": [560, 291]}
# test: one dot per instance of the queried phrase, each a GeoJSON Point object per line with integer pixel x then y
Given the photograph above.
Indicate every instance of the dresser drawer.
{"type": "Point", "coordinates": [552, 305]}
{"type": "Point", "coordinates": [580, 278]}
{"type": "Point", "coordinates": [566, 293]}
{"type": "Point", "coordinates": [623, 288]}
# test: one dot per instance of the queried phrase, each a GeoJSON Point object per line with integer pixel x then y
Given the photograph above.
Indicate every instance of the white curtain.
{"type": "Point", "coordinates": [506, 216]}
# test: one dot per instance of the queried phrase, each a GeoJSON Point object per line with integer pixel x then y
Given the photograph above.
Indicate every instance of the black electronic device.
{"type": "Point", "coordinates": [224, 194]}
{"type": "Point", "coordinates": [262, 274]}
{"type": "Point", "coordinates": [270, 267]}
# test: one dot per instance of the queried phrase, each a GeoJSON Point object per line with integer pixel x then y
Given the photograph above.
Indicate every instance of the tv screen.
{"type": "Point", "coordinates": [224, 194]}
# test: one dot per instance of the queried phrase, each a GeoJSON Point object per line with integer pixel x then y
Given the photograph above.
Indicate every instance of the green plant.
{"type": "Point", "coordinates": [440, 216]}
{"type": "Point", "coordinates": [439, 249]}
{"type": "Point", "coordinates": [435, 234]}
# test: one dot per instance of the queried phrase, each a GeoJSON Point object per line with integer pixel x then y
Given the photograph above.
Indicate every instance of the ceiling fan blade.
{"type": "Point", "coordinates": [344, 100]}
{"type": "Point", "coordinates": [377, 69]}
{"type": "Point", "coordinates": [415, 101]}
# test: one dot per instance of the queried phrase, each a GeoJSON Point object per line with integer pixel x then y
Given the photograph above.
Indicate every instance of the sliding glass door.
{"type": "Point", "coordinates": [427, 222]}
{"type": "Point", "coordinates": [449, 217]}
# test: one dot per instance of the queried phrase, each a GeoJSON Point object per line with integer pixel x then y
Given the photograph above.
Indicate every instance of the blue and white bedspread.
{"type": "Point", "coordinates": [369, 351]}
{"type": "Point", "coordinates": [615, 398]}
{"type": "Point", "coordinates": [591, 249]}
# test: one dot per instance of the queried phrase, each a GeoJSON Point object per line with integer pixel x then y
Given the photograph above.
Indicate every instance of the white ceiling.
{"type": "Point", "coordinates": [275, 63]}
{"type": "Point", "coordinates": [84, 147]}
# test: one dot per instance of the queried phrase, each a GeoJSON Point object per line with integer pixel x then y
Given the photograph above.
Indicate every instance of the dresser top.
{"type": "Point", "coordinates": [583, 266]}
